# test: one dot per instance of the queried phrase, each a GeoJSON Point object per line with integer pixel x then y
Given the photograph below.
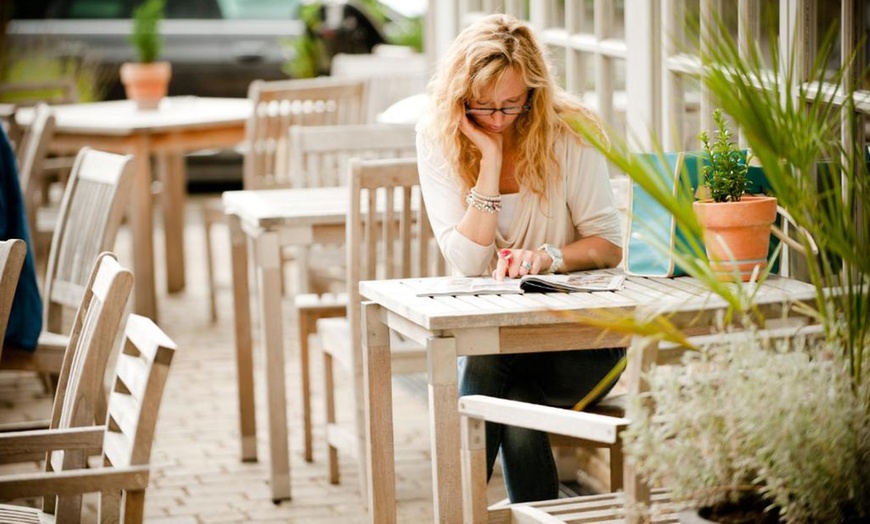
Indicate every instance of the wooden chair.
{"type": "Point", "coordinates": [390, 76]}
{"type": "Point", "coordinates": [25, 94]}
{"type": "Point", "coordinates": [618, 505]}
{"type": "Point", "coordinates": [32, 153]}
{"type": "Point", "coordinates": [124, 439]}
{"type": "Point", "coordinates": [321, 155]}
{"type": "Point", "coordinates": [278, 105]}
{"type": "Point", "coordinates": [12, 253]}
{"type": "Point", "coordinates": [91, 341]}
{"type": "Point", "coordinates": [90, 215]}
{"type": "Point", "coordinates": [388, 236]}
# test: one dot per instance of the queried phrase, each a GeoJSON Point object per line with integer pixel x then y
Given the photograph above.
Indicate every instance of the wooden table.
{"type": "Point", "coordinates": [488, 324]}
{"type": "Point", "coordinates": [180, 125]}
{"type": "Point", "coordinates": [272, 219]}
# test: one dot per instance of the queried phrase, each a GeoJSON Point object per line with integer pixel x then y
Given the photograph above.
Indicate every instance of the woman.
{"type": "Point", "coordinates": [512, 189]}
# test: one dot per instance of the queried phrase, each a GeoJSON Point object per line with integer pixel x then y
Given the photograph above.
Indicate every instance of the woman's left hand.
{"type": "Point", "coordinates": [515, 263]}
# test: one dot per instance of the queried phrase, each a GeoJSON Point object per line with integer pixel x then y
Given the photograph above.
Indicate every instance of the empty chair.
{"type": "Point", "coordinates": [278, 105]}
{"type": "Point", "coordinates": [24, 94]}
{"type": "Point", "coordinates": [281, 104]}
{"type": "Point", "coordinates": [390, 76]}
{"type": "Point", "coordinates": [32, 153]}
{"type": "Point", "coordinates": [619, 505]}
{"type": "Point", "coordinates": [12, 253]}
{"type": "Point", "coordinates": [91, 342]}
{"type": "Point", "coordinates": [90, 215]}
{"type": "Point", "coordinates": [125, 440]}
{"type": "Point", "coordinates": [321, 156]}
{"type": "Point", "coordinates": [388, 236]}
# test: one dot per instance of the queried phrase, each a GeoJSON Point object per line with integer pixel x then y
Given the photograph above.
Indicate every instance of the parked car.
{"type": "Point", "coordinates": [216, 47]}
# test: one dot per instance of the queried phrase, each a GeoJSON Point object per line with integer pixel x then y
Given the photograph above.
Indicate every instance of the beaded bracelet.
{"type": "Point", "coordinates": [484, 198]}
{"type": "Point", "coordinates": [486, 204]}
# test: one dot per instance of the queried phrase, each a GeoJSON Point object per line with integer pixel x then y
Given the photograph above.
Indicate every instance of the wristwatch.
{"type": "Point", "coordinates": [556, 254]}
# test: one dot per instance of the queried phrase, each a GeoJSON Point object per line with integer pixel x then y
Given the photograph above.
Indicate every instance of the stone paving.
{"type": "Point", "coordinates": [197, 476]}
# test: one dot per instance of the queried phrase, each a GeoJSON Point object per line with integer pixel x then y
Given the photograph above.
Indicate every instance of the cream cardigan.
{"type": "Point", "coordinates": [581, 206]}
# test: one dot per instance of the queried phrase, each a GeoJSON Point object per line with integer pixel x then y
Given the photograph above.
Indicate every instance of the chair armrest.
{"type": "Point", "coordinates": [74, 482]}
{"type": "Point", "coordinates": [41, 441]}
{"type": "Point", "coordinates": [577, 424]}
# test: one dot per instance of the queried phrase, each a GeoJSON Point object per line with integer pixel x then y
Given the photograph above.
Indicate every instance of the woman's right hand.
{"type": "Point", "coordinates": [489, 144]}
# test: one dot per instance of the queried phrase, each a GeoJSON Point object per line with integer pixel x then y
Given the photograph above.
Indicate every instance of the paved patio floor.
{"type": "Point", "coordinates": [197, 476]}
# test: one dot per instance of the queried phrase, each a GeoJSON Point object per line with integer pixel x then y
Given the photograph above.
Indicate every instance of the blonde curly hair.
{"type": "Point", "coordinates": [477, 60]}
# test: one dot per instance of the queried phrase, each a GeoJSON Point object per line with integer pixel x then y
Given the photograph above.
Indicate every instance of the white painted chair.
{"type": "Point", "coordinates": [618, 505]}
{"type": "Point", "coordinates": [12, 253]}
{"type": "Point", "coordinates": [388, 236]}
{"type": "Point", "coordinates": [277, 106]}
{"type": "Point", "coordinates": [124, 439]}
{"type": "Point", "coordinates": [390, 77]}
{"type": "Point", "coordinates": [321, 155]}
{"type": "Point", "coordinates": [90, 214]}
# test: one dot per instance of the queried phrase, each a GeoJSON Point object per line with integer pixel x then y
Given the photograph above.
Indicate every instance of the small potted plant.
{"type": "Point", "coordinates": [736, 225]}
{"type": "Point", "coordinates": [147, 80]}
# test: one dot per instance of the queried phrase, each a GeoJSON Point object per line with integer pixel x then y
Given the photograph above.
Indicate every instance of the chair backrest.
{"type": "Point", "coordinates": [134, 401]}
{"type": "Point", "coordinates": [140, 374]}
{"type": "Point", "coordinates": [90, 215]}
{"type": "Point", "coordinates": [60, 91]}
{"type": "Point", "coordinates": [95, 331]}
{"type": "Point", "coordinates": [320, 154]}
{"type": "Point", "coordinates": [31, 154]}
{"type": "Point", "coordinates": [390, 78]}
{"type": "Point", "coordinates": [277, 105]}
{"type": "Point", "coordinates": [388, 234]}
{"type": "Point", "coordinates": [12, 253]}
{"type": "Point", "coordinates": [80, 386]}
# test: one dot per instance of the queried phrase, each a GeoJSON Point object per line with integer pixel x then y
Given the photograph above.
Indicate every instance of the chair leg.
{"type": "Point", "coordinates": [616, 467]}
{"type": "Point", "coordinates": [110, 506]}
{"type": "Point", "coordinates": [208, 219]}
{"type": "Point", "coordinates": [360, 428]}
{"type": "Point", "coordinates": [307, 327]}
{"type": "Point", "coordinates": [134, 507]}
{"type": "Point", "coordinates": [329, 396]}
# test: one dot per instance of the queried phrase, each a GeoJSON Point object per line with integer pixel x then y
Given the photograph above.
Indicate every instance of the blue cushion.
{"type": "Point", "coordinates": [25, 319]}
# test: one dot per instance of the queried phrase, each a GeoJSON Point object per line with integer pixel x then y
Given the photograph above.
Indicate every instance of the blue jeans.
{"type": "Point", "coordinates": [559, 379]}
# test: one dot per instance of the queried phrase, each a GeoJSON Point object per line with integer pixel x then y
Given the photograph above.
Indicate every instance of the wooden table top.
{"type": "Point", "coordinates": [270, 208]}
{"type": "Point", "coordinates": [482, 311]}
{"type": "Point", "coordinates": [122, 118]}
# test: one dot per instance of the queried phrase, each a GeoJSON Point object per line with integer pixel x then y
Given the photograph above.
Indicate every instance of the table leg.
{"type": "Point", "coordinates": [267, 253]}
{"type": "Point", "coordinates": [444, 429]}
{"type": "Point", "coordinates": [173, 178]}
{"type": "Point", "coordinates": [244, 343]}
{"type": "Point", "coordinates": [142, 225]}
{"type": "Point", "coordinates": [378, 392]}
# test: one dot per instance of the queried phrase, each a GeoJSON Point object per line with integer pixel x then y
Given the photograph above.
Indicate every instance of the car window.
{"type": "Point", "coordinates": [259, 9]}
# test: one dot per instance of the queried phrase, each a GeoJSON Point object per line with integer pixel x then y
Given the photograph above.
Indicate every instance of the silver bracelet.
{"type": "Point", "coordinates": [488, 206]}
{"type": "Point", "coordinates": [484, 198]}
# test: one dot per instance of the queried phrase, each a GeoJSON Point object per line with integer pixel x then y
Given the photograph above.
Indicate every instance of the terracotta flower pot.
{"type": "Point", "coordinates": [147, 84]}
{"type": "Point", "coordinates": [737, 234]}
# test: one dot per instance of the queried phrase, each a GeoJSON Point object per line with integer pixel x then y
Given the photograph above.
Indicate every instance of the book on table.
{"type": "Point", "coordinates": [580, 281]}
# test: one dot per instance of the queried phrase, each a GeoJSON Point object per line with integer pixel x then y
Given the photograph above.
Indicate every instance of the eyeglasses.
{"type": "Point", "coordinates": [489, 111]}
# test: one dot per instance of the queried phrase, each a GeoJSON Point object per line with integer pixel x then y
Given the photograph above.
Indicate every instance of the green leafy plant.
{"type": "Point", "coordinates": [146, 38]}
{"type": "Point", "coordinates": [747, 419]}
{"type": "Point", "coordinates": [726, 174]}
{"type": "Point", "coordinates": [783, 422]}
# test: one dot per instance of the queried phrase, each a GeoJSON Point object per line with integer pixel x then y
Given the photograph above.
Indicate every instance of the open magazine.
{"type": "Point", "coordinates": [581, 281]}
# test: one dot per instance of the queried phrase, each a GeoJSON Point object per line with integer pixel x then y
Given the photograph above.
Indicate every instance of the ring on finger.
{"type": "Point", "coordinates": [526, 265]}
